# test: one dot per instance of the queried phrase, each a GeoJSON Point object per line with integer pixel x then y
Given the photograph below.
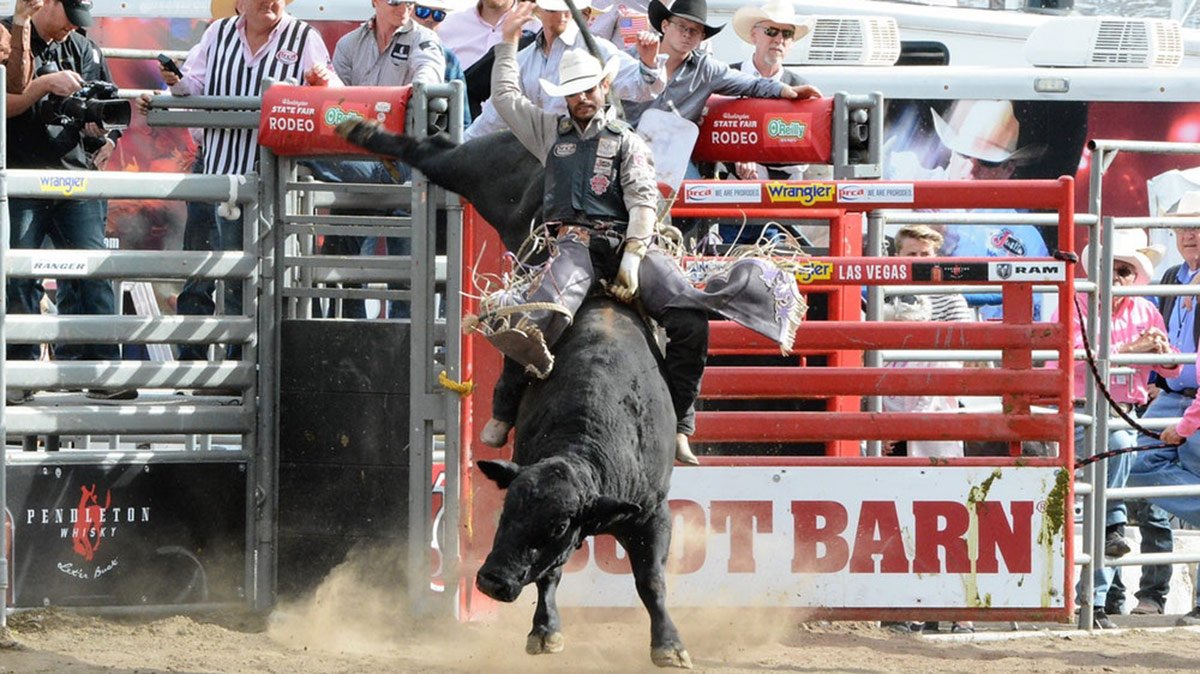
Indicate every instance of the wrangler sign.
{"type": "Point", "coordinates": [849, 537]}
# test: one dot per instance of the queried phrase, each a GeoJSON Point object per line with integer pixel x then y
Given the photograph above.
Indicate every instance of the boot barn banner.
{"type": "Point", "coordinates": [129, 534]}
{"type": "Point", "coordinates": [849, 537]}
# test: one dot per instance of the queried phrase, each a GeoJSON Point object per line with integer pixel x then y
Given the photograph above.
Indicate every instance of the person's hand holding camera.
{"type": "Point", "coordinates": [101, 156]}
{"type": "Point", "coordinates": [61, 83]}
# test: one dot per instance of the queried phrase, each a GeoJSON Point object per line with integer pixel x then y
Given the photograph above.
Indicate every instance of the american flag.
{"type": "Point", "coordinates": [630, 23]}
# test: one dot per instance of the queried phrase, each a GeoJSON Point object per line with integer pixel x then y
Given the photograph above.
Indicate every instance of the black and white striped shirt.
{"type": "Point", "coordinates": [222, 65]}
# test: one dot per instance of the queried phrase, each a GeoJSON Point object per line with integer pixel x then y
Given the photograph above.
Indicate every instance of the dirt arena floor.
{"type": "Point", "coordinates": [350, 626]}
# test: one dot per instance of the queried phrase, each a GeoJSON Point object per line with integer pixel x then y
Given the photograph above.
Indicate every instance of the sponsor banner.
{"type": "Point", "coordinates": [945, 272]}
{"type": "Point", "coordinates": [875, 193]}
{"type": "Point", "coordinates": [733, 193]}
{"type": "Point", "coordinates": [767, 131]}
{"type": "Point", "coordinates": [813, 271]}
{"type": "Point", "coordinates": [1018, 270]}
{"type": "Point", "coordinates": [60, 266]}
{"type": "Point", "coordinates": [887, 537]}
{"type": "Point", "coordinates": [127, 535]}
{"type": "Point", "coordinates": [805, 194]}
{"type": "Point", "coordinates": [872, 271]}
{"type": "Point", "coordinates": [67, 186]}
{"type": "Point", "coordinates": [303, 120]}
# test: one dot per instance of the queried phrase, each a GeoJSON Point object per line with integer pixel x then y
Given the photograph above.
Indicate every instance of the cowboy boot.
{"type": "Point", "coordinates": [495, 433]}
{"type": "Point", "coordinates": [683, 451]}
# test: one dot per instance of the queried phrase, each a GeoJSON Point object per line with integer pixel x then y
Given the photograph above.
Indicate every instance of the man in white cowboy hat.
{"type": "Point", "coordinates": [982, 137]}
{"type": "Point", "coordinates": [772, 29]}
{"type": "Point", "coordinates": [692, 75]}
{"type": "Point", "coordinates": [601, 196]}
{"type": "Point", "coordinates": [637, 79]}
{"type": "Point", "coordinates": [390, 49]}
{"type": "Point", "coordinates": [1176, 398]}
{"type": "Point", "coordinates": [1137, 328]}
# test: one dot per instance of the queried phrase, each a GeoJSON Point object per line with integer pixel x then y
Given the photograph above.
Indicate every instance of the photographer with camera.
{"type": "Point", "coordinates": [14, 46]}
{"type": "Point", "coordinates": [65, 119]}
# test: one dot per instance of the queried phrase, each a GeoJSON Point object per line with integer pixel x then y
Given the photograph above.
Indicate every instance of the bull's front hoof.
{"type": "Point", "coordinates": [671, 656]}
{"type": "Point", "coordinates": [541, 644]}
{"type": "Point", "coordinates": [357, 131]}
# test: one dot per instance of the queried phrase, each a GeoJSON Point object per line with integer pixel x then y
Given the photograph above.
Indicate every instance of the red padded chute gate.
{"type": "Point", "coordinates": [767, 131]}
{"type": "Point", "coordinates": [302, 120]}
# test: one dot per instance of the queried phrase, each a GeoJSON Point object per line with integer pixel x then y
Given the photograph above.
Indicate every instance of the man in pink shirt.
{"type": "Point", "coordinates": [1137, 327]}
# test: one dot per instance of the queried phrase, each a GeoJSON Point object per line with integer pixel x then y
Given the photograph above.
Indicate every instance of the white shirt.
{"type": "Point", "coordinates": [470, 37]}
{"type": "Point", "coordinates": [633, 82]}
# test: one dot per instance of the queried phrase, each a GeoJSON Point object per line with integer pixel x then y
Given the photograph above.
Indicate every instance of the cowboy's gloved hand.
{"type": "Point", "coordinates": [637, 236]}
{"type": "Point", "coordinates": [625, 286]}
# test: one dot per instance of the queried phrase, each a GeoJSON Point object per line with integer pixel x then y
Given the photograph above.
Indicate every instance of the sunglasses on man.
{"type": "Point", "coordinates": [772, 31]}
{"type": "Point", "coordinates": [439, 15]}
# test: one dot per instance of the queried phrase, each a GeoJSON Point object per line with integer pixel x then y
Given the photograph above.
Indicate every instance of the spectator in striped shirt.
{"type": "Point", "coordinates": [235, 55]}
{"type": "Point", "coordinates": [925, 241]}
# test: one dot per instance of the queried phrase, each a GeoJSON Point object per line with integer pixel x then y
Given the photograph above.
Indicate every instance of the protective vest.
{"type": "Point", "coordinates": [583, 176]}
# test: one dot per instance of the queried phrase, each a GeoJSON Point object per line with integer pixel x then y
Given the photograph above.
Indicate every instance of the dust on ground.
{"type": "Point", "coordinates": [353, 624]}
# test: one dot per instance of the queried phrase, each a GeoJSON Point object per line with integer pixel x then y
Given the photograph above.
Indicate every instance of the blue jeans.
{"type": "Point", "coordinates": [371, 172]}
{"type": "Point", "coordinates": [69, 225]}
{"type": "Point", "coordinates": [205, 230]}
{"type": "Point", "coordinates": [1118, 473]}
{"type": "Point", "coordinates": [1168, 466]}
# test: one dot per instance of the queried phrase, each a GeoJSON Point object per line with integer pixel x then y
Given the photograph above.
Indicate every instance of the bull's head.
{"type": "Point", "coordinates": [549, 509]}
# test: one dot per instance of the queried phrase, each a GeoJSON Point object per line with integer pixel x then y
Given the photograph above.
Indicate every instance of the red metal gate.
{"type": "Point", "coordinates": [1018, 531]}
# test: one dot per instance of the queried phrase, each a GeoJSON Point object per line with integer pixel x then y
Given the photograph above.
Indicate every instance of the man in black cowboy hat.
{"type": "Point", "coordinates": [693, 76]}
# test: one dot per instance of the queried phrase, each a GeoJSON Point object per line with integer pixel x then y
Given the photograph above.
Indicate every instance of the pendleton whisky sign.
{"type": "Point", "coordinates": [127, 534]}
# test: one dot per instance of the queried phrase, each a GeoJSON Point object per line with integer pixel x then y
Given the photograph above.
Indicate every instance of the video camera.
{"type": "Point", "coordinates": [95, 102]}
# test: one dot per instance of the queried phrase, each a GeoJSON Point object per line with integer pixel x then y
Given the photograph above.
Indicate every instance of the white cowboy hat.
{"type": "Point", "coordinates": [578, 71]}
{"type": "Point", "coordinates": [986, 130]}
{"type": "Point", "coordinates": [1188, 206]}
{"type": "Point", "coordinates": [776, 11]}
{"type": "Point", "coordinates": [1132, 247]}
{"type": "Point", "coordinates": [561, 5]}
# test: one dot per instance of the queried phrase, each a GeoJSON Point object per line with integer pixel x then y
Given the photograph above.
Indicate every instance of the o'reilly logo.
{"type": "Point", "coordinates": [786, 129]}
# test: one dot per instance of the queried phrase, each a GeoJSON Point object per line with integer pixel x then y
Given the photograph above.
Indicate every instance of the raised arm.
{"type": "Point", "coordinates": [639, 78]}
{"type": "Point", "coordinates": [534, 127]}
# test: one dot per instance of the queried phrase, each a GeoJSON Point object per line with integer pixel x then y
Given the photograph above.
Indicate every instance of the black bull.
{"type": "Point", "coordinates": [595, 441]}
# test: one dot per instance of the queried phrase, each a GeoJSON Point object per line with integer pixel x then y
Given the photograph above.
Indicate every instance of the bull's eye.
{"type": "Point", "coordinates": [561, 528]}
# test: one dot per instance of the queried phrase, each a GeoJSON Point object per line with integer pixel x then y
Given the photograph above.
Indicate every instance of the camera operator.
{"type": "Point", "coordinates": [58, 121]}
{"type": "Point", "coordinates": [14, 46]}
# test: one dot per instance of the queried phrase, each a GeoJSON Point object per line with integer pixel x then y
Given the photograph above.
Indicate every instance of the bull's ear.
{"type": "Point", "coordinates": [501, 472]}
{"type": "Point", "coordinates": [607, 511]}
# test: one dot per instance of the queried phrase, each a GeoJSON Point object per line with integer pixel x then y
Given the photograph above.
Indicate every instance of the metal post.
{"type": "Point", "coordinates": [1092, 432]}
{"type": "Point", "coordinates": [452, 453]}
{"type": "Point", "coordinates": [4, 227]}
{"type": "Point", "coordinates": [420, 425]}
{"type": "Point", "coordinates": [875, 241]}
{"type": "Point", "coordinates": [267, 240]}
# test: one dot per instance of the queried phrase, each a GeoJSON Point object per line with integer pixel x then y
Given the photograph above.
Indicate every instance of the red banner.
{"type": "Point", "coordinates": [767, 131]}
{"type": "Point", "coordinates": [302, 120]}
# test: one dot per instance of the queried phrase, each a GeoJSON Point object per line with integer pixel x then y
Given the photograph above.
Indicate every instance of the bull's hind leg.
{"type": "Point", "coordinates": [546, 635]}
{"type": "Point", "coordinates": [648, 547]}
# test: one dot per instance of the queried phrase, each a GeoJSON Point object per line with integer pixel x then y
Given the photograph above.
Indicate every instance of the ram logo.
{"type": "Point", "coordinates": [1004, 270]}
